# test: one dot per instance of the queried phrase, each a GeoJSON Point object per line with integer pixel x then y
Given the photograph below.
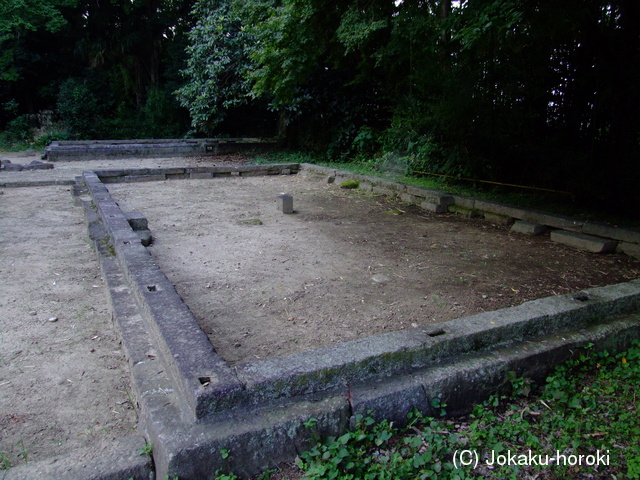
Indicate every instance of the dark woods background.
{"type": "Point", "coordinates": [534, 92]}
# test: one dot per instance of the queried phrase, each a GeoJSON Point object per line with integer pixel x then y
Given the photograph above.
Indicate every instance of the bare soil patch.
{"type": "Point", "coordinates": [344, 266]}
{"type": "Point", "coordinates": [64, 382]}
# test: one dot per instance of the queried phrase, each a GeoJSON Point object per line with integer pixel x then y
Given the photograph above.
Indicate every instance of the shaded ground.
{"type": "Point", "coordinates": [344, 266]}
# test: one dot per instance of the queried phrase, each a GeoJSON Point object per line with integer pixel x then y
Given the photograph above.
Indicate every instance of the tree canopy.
{"type": "Point", "coordinates": [116, 61]}
{"type": "Point", "coordinates": [537, 92]}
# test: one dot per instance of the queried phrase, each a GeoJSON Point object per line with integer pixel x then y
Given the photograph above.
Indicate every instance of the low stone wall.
{"type": "Point", "coordinates": [194, 406]}
{"type": "Point", "coordinates": [9, 166]}
{"type": "Point", "coordinates": [83, 150]}
{"type": "Point", "coordinates": [589, 236]}
{"type": "Point", "coordinates": [130, 175]}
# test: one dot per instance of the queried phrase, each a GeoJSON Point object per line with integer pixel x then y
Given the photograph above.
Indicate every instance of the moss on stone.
{"type": "Point", "coordinates": [350, 184]}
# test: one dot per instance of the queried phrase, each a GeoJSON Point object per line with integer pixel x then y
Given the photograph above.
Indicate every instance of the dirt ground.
{"type": "Point", "coordinates": [63, 378]}
{"type": "Point", "coordinates": [345, 265]}
{"type": "Point", "coordinates": [64, 383]}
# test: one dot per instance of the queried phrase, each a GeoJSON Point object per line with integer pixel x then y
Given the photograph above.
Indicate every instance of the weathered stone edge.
{"type": "Point", "coordinates": [119, 175]}
{"type": "Point", "coordinates": [385, 355]}
{"type": "Point", "coordinates": [258, 436]}
{"type": "Point", "coordinates": [257, 439]}
{"type": "Point", "coordinates": [202, 377]}
{"type": "Point", "coordinates": [35, 183]}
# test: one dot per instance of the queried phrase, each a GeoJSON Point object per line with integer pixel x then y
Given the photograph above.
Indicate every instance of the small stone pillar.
{"type": "Point", "coordinates": [285, 203]}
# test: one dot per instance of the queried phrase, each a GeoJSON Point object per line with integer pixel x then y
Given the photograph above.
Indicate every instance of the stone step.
{"type": "Point", "coordinates": [498, 219]}
{"type": "Point", "coordinates": [631, 249]}
{"type": "Point", "coordinates": [528, 228]}
{"type": "Point", "coordinates": [585, 242]}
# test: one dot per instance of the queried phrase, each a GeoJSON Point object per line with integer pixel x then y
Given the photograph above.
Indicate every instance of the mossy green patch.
{"type": "Point", "coordinates": [350, 184]}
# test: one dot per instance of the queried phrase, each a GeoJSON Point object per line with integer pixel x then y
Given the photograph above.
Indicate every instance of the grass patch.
{"type": "Point", "coordinates": [286, 156]}
{"type": "Point", "coordinates": [583, 423]}
{"type": "Point", "coordinates": [5, 462]}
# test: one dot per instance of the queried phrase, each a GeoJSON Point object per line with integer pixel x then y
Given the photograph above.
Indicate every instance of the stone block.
{"type": "Point", "coordinates": [285, 203]}
{"type": "Point", "coordinates": [113, 179]}
{"type": "Point", "coordinates": [200, 175]}
{"type": "Point", "coordinates": [498, 209]}
{"type": "Point", "coordinates": [462, 201]}
{"type": "Point", "coordinates": [381, 190]}
{"type": "Point", "coordinates": [609, 231]}
{"type": "Point", "coordinates": [177, 176]}
{"type": "Point", "coordinates": [391, 400]}
{"type": "Point", "coordinates": [199, 170]}
{"type": "Point", "coordinates": [171, 171]}
{"type": "Point", "coordinates": [581, 241]}
{"type": "Point", "coordinates": [528, 228]}
{"type": "Point", "coordinates": [366, 186]}
{"type": "Point", "coordinates": [631, 249]}
{"type": "Point", "coordinates": [498, 219]}
{"type": "Point", "coordinates": [432, 196]}
{"type": "Point", "coordinates": [137, 220]}
{"type": "Point", "coordinates": [12, 167]}
{"type": "Point", "coordinates": [144, 178]}
{"type": "Point", "coordinates": [38, 165]}
{"type": "Point", "coordinates": [551, 220]}
{"type": "Point", "coordinates": [410, 198]}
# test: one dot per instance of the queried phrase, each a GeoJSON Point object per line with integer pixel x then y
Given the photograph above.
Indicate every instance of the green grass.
{"type": "Point", "coordinates": [587, 407]}
{"type": "Point", "coordinates": [5, 462]}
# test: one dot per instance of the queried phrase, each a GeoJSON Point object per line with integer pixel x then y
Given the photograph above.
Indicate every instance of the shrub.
{"type": "Point", "coordinates": [78, 107]}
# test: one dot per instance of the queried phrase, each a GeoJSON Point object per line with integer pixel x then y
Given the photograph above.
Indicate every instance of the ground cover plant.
{"type": "Point", "coordinates": [582, 423]}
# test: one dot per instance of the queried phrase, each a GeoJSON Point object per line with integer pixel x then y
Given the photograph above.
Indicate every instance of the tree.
{"type": "Point", "coordinates": [26, 30]}
{"type": "Point", "coordinates": [17, 19]}
{"type": "Point", "coordinates": [217, 64]}
{"type": "Point", "coordinates": [124, 52]}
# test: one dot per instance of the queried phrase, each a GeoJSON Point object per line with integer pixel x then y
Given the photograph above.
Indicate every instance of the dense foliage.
{"type": "Point", "coordinates": [103, 68]}
{"type": "Point", "coordinates": [535, 92]}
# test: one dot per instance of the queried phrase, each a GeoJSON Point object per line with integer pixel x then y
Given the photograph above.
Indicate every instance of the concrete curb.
{"type": "Point", "coordinates": [193, 405]}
